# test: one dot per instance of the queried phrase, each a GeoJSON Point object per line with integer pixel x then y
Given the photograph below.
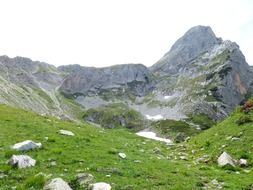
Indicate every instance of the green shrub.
{"type": "Point", "coordinates": [115, 115]}
{"type": "Point", "coordinates": [243, 119]}
{"type": "Point", "coordinates": [35, 182]}
{"type": "Point", "coordinates": [248, 106]}
{"type": "Point", "coordinates": [178, 130]}
{"type": "Point", "coordinates": [113, 151]}
{"type": "Point", "coordinates": [202, 120]}
{"type": "Point", "coordinates": [8, 154]}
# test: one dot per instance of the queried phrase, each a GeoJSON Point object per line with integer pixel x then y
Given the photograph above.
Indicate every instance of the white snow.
{"type": "Point", "coordinates": [152, 135]}
{"type": "Point", "coordinates": [155, 117]}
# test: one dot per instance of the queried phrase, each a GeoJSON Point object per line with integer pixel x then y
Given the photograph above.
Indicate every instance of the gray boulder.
{"type": "Point", "coordinates": [100, 186]}
{"type": "Point", "coordinates": [57, 184]}
{"type": "Point", "coordinates": [26, 145]}
{"type": "Point", "coordinates": [22, 161]}
{"type": "Point", "coordinates": [66, 132]}
{"type": "Point", "coordinates": [84, 179]}
{"type": "Point", "coordinates": [122, 155]}
{"type": "Point", "coordinates": [243, 162]}
{"type": "Point", "coordinates": [225, 160]}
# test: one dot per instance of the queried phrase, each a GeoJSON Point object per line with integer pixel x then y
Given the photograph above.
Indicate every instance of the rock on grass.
{"type": "Point", "coordinates": [26, 145]}
{"type": "Point", "coordinates": [22, 161]}
{"type": "Point", "coordinates": [57, 184]}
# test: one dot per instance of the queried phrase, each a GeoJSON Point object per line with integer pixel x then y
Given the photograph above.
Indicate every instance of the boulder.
{"type": "Point", "coordinates": [22, 161]}
{"type": "Point", "coordinates": [183, 157]}
{"type": "Point", "coordinates": [57, 184]}
{"type": "Point", "coordinates": [180, 137]}
{"type": "Point", "coordinates": [225, 160]}
{"type": "Point", "coordinates": [122, 155]}
{"type": "Point", "coordinates": [65, 132]}
{"type": "Point", "coordinates": [243, 162]}
{"type": "Point", "coordinates": [235, 139]}
{"type": "Point", "coordinates": [84, 179]}
{"type": "Point", "coordinates": [26, 145]}
{"type": "Point", "coordinates": [100, 186]}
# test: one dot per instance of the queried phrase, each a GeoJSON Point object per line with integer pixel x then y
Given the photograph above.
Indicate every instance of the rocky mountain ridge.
{"type": "Point", "coordinates": [200, 74]}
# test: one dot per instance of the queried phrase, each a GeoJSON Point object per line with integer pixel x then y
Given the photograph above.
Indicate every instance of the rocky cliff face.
{"type": "Point", "coordinates": [211, 75]}
{"type": "Point", "coordinates": [200, 74]}
{"type": "Point", "coordinates": [131, 78]}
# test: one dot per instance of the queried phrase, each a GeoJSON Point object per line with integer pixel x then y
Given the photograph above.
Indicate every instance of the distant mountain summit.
{"type": "Point", "coordinates": [194, 42]}
{"type": "Point", "coordinates": [200, 74]}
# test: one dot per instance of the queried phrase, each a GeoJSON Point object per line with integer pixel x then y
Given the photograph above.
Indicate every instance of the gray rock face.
{"type": "Point", "coordinates": [134, 78]}
{"type": "Point", "coordinates": [194, 42]}
{"type": "Point", "coordinates": [57, 184]}
{"type": "Point", "coordinates": [203, 74]}
{"type": "Point", "coordinates": [225, 160]}
{"type": "Point", "coordinates": [26, 145]}
{"type": "Point", "coordinates": [22, 161]}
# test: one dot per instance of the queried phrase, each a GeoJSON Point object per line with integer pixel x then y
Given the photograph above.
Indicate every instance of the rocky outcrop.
{"type": "Point", "coordinates": [131, 78]}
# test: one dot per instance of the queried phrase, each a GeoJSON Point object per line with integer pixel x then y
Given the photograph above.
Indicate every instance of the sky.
{"type": "Point", "coordinates": [107, 32]}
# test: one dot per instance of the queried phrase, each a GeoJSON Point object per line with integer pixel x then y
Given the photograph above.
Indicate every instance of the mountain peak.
{"type": "Point", "coordinates": [195, 41]}
{"type": "Point", "coordinates": [201, 29]}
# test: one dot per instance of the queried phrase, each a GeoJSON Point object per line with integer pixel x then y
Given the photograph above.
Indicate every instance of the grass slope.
{"type": "Point", "coordinates": [116, 115]}
{"type": "Point", "coordinates": [95, 151]}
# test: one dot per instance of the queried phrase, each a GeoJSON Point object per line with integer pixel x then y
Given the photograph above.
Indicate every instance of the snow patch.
{"type": "Point", "coordinates": [155, 117]}
{"type": "Point", "coordinates": [152, 135]}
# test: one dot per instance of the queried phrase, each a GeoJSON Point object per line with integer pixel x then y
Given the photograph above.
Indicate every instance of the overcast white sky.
{"type": "Point", "coordinates": [107, 32]}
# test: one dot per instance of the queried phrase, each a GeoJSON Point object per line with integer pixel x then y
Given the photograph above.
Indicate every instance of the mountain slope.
{"type": "Point", "coordinates": [95, 151]}
{"type": "Point", "coordinates": [233, 135]}
{"type": "Point", "coordinates": [34, 85]}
